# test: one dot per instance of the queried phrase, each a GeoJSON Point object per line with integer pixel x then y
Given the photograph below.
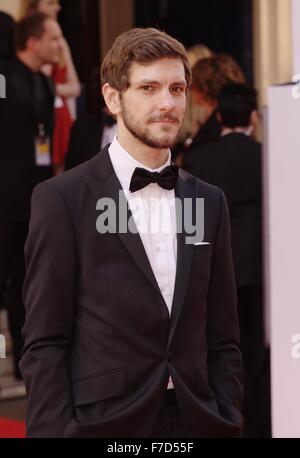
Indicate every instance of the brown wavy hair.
{"type": "Point", "coordinates": [141, 46]}
{"type": "Point", "coordinates": [211, 74]}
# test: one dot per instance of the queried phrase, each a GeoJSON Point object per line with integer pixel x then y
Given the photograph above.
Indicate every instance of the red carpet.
{"type": "Point", "coordinates": [11, 429]}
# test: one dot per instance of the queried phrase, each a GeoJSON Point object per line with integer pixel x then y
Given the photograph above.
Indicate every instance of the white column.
{"type": "Point", "coordinates": [272, 44]}
{"type": "Point", "coordinates": [282, 249]}
{"type": "Point", "coordinates": [296, 35]}
{"type": "Point", "coordinates": [13, 7]}
{"type": "Point", "coordinates": [115, 17]}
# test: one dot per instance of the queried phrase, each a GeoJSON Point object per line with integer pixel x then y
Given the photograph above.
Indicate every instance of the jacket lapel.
{"type": "Point", "coordinates": [103, 182]}
{"type": "Point", "coordinates": [184, 255]}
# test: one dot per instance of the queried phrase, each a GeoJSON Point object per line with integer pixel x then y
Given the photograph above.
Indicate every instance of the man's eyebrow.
{"type": "Point", "coordinates": [145, 81]}
{"type": "Point", "coordinates": [157, 83]}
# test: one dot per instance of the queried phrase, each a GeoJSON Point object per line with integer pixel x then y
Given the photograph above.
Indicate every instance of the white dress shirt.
{"type": "Point", "coordinates": [154, 213]}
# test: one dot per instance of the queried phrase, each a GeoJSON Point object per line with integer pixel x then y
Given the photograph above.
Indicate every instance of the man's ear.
{"type": "Point", "coordinates": [112, 99]}
{"type": "Point", "coordinates": [31, 43]}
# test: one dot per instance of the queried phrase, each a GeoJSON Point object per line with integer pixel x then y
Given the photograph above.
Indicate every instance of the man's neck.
{"type": "Point", "coordinates": [150, 157]}
{"type": "Point", "coordinates": [29, 60]}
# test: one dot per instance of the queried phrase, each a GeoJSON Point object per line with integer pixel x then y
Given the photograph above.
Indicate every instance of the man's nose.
{"type": "Point", "coordinates": [166, 101]}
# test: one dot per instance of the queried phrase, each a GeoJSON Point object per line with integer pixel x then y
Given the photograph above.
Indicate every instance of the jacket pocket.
{"type": "Point", "coordinates": [99, 387]}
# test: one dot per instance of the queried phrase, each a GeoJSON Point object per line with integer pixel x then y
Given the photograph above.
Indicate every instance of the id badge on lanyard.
{"type": "Point", "coordinates": [42, 148]}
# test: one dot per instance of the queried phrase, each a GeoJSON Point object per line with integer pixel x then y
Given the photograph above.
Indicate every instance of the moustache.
{"type": "Point", "coordinates": [167, 118]}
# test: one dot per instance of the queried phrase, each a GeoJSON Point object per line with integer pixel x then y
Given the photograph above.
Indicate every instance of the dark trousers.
{"type": "Point", "coordinates": [169, 422]}
{"type": "Point", "coordinates": [256, 357]}
{"type": "Point", "coordinates": [12, 273]}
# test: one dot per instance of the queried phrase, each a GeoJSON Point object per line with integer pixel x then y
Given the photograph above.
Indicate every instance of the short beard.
{"type": "Point", "coordinates": [143, 135]}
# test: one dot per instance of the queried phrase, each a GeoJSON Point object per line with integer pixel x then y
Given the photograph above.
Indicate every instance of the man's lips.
{"type": "Point", "coordinates": [166, 120]}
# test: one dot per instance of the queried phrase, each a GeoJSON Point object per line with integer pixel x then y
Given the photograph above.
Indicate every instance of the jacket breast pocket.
{"type": "Point", "coordinates": [93, 396]}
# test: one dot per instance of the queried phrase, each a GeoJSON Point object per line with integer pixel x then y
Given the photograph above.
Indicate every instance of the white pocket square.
{"type": "Point", "coordinates": [201, 243]}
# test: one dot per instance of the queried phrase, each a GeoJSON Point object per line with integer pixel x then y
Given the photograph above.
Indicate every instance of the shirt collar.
{"type": "Point", "coordinates": [124, 164]}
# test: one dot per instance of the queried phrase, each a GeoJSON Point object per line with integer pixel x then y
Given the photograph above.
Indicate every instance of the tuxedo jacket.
{"type": "Point", "coordinates": [99, 342]}
{"type": "Point", "coordinates": [234, 164]}
{"type": "Point", "coordinates": [18, 127]}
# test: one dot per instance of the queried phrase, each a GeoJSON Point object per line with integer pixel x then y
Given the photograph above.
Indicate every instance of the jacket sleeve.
{"type": "Point", "coordinates": [224, 357]}
{"type": "Point", "coordinates": [50, 303]}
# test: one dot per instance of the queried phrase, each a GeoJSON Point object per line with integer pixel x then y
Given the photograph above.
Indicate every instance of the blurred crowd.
{"type": "Point", "coordinates": [43, 135]}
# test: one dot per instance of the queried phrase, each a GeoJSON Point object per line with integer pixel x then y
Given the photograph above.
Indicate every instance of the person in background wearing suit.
{"type": "Point", "coordinates": [132, 331]}
{"type": "Point", "coordinates": [234, 164]}
{"type": "Point", "coordinates": [26, 127]}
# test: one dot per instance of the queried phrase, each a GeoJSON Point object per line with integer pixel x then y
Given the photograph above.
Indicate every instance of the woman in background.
{"type": "Point", "coordinates": [194, 114]}
{"type": "Point", "coordinates": [66, 84]}
{"type": "Point", "coordinates": [193, 117]}
{"type": "Point", "coordinates": [210, 76]}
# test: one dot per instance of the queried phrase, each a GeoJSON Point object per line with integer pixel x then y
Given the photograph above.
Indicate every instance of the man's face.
{"type": "Point", "coordinates": [48, 47]}
{"type": "Point", "coordinates": [152, 108]}
{"type": "Point", "coordinates": [49, 7]}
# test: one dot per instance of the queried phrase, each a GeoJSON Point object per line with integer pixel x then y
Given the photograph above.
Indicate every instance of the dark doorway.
{"type": "Point", "coordinates": [80, 23]}
{"type": "Point", "coordinates": [223, 26]}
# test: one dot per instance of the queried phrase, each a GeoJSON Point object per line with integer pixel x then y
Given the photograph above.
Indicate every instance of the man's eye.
{"type": "Point", "coordinates": [177, 89]}
{"type": "Point", "coordinates": [147, 88]}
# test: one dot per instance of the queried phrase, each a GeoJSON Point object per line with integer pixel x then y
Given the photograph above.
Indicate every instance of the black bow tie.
{"type": "Point", "coordinates": [166, 179]}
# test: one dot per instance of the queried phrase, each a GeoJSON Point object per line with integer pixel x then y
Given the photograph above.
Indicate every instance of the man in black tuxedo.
{"type": "Point", "coordinates": [234, 164]}
{"type": "Point", "coordinates": [26, 115]}
{"type": "Point", "coordinates": [131, 329]}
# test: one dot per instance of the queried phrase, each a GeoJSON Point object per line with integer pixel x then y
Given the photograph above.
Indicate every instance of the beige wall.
{"type": "Point", "coordinates": [116, 16]}
{"type": "Point", "coordinates": [13, 7]}
{"type": "Point", "coordinates": [273, 60]}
